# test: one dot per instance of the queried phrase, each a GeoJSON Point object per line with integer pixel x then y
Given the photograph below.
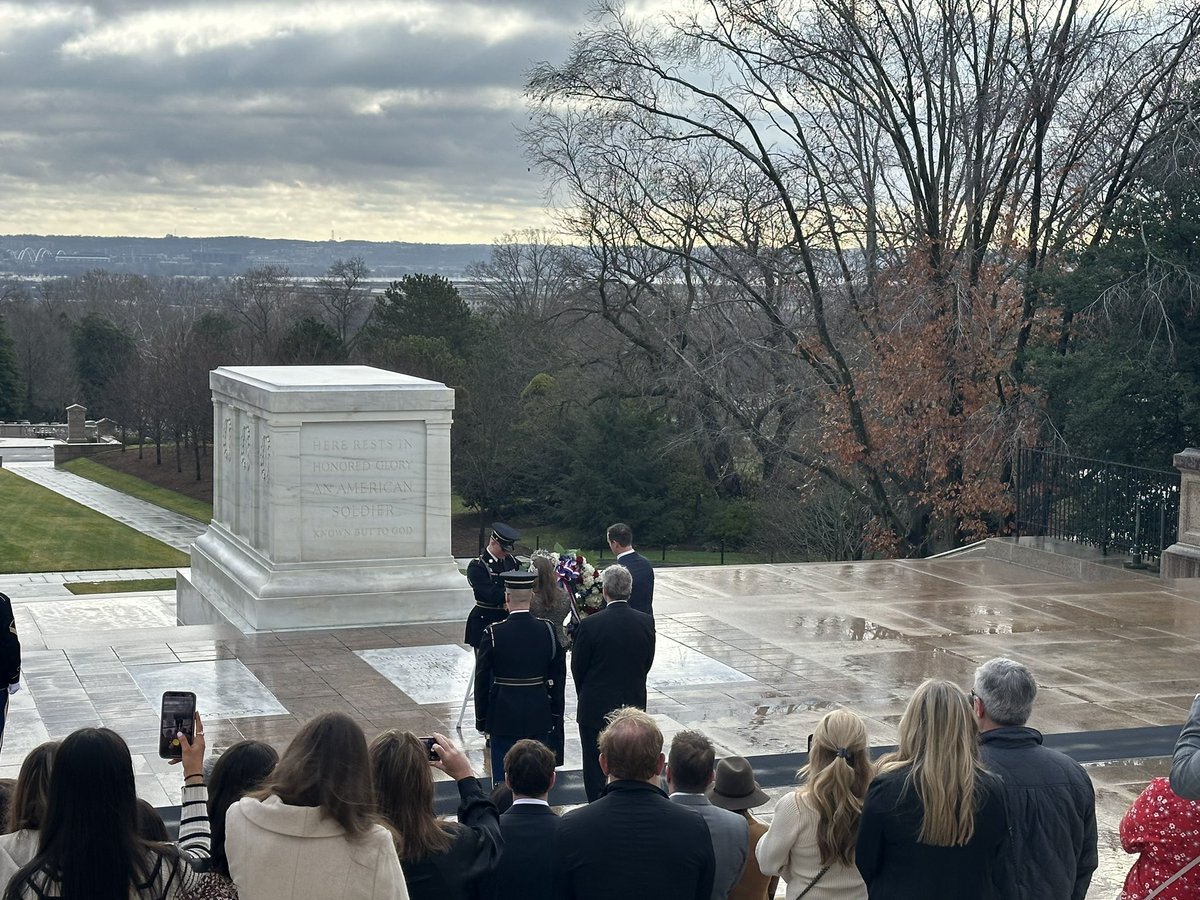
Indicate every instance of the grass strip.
{"type": "Point", "coordinates": [120, 587]}
{"type": "Point", "coordinates": [45, 532]}
{"type": "Point", "coordinates": [143, 490]}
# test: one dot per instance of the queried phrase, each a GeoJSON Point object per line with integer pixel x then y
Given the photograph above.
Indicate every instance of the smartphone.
{"type": "Point", "coordinates": [178, 714]}
{"type": "Point", "coordinates": [429, 742]}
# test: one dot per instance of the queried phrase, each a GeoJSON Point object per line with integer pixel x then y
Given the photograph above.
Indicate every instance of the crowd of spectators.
{"type": "Point", "coordinates": [968, 804]}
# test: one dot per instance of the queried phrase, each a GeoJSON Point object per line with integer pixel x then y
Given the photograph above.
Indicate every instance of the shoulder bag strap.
{"type": "Point", "coordinates": [812, 884]}
{"type": "Point", "coordinates": [1162, 887]}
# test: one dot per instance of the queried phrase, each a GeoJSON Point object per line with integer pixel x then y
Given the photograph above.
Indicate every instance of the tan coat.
{"type": "Point", "coordinates": [754, 885]}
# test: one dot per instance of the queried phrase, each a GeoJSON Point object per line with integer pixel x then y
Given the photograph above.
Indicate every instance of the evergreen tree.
{"type": "Point", "coordinates": [11, 386]}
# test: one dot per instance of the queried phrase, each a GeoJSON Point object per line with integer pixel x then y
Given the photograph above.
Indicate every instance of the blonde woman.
{"type": "Point", "coordinates": [811, 841]}
{"type": "Point", "coordinates": [933, 825]}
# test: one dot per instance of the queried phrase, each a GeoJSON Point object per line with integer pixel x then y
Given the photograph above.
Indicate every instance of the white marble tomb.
{"type": "Point", "coordinates": [331, 502]}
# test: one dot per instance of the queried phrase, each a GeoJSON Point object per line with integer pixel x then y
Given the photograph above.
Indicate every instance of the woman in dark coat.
{"type": "Point", "coordinates": [441, 860]}
{"type": "Point", "coordinates": [934, 824]}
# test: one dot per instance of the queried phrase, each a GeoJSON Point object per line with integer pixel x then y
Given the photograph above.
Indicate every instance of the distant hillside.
{"type": "Point", "coordinates": [34, 254]}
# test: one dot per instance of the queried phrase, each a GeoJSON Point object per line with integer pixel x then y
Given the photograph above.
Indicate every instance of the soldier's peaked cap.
{"type": "Point", "coordinates": [505, 535]}
{"type": "Point", "coordinates": [520, 581]}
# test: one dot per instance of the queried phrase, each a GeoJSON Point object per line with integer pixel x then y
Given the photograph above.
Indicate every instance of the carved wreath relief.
{"type": "Point", "coordinates": [246, 447]}
{"type": "Point", "coordinates": [264, 458]}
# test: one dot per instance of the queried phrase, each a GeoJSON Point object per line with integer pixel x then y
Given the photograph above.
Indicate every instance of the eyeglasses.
{"type": "Point", "coordinates": [972, 697]}
{"type": "Point", "coordinates": [810, 737]}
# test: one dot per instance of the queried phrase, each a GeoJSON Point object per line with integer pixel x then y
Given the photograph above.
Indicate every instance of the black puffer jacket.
{"type": "Point", "coordinates": [1051, 814]}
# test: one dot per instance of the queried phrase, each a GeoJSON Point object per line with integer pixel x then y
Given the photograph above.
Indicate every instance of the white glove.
{"type": "Point", "coordinates": [14, 687]}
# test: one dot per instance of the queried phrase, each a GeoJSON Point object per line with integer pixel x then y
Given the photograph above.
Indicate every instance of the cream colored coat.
{"type": "Point", "coordinates": [789, 849]}
{"type": "Point", "coordinates": [281, 852]}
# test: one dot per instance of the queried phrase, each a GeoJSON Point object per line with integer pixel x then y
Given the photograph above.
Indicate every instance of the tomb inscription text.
{"type": "Point", "coordinates": [363, 494]}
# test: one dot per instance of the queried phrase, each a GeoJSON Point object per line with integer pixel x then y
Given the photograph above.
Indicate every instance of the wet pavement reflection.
{"type": "Point", "coordinates": [751, 655]}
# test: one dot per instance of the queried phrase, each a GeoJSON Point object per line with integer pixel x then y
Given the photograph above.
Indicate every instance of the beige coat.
{"type": "Point", "coordinates": [789, 849]}
{"type": "Point", "coordinates": [281, 852]}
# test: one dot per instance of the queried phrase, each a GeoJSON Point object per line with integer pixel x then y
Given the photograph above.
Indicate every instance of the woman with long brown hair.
{"type": "Point", "coordinates": [89, 847]}
{"type": "Point", "coordinates": [934, 823]}
{"type": "Point", "coordinates": [550, 601]}
{"type": "Point", "coordinates": [442, 860]}
{"type": "Point", "coordinates": [311, 833]}
{"type": "Point", "coordinates": [813, 833]}
{"type": "Point", "coordinates": [27, 810]}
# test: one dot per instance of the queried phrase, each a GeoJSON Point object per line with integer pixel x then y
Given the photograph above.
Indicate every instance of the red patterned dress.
{"type": "Point", "coordinates": [1165, 829]}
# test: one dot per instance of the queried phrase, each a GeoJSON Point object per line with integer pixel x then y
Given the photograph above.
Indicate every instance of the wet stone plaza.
{"type": "Point", "coordinates": [752, 656]}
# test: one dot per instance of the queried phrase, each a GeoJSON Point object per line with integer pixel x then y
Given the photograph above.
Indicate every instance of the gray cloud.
{"type": "Point", "coordinates": [110, 108]}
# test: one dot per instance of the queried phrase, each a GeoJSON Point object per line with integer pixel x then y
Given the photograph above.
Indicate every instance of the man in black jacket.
{"type": "Point", "coordinates": [620, 541]}
{"type": "Point", "coordinates": [529, 826]}
{"type": "Point", "coordinates": [1050, 800]}
{"type": "Point", "coordinates": [633, 841]}
{"type": "Point", "coordinates": [10, 659]}
{"type": "Point", "coordinates": [611, 657]}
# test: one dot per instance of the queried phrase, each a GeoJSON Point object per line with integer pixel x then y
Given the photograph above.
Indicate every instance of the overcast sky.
{"type": "Point", "coordinates": [375, 119]}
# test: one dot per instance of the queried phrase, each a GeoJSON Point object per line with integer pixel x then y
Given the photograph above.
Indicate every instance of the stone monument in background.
{"type": "Point", "coordinates": [1182, 559]}
{"type": "Point", "coordinates": [331, 502]}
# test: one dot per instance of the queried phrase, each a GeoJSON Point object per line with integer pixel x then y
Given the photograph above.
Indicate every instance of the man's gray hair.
{"type": "Point", "coordinates": [617, 582]}
{"type": "Point", "coordinates": [1007, 690]}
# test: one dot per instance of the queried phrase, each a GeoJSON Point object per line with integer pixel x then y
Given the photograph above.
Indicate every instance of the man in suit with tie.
{"type": "Point", "coordinates": [689, 773]}
{"type": "Point", "coordinates": [620, 541]}
{"type": "Point", "coordinates": [529, 826]}
{"type": "Point", "coordinates": [633, 842]}
{"type": "Point", "coordinates": [611, 657]}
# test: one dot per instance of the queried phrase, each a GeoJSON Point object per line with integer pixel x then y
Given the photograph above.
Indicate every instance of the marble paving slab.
{"type": "Point", "coordinates": [438, 673]}
{"type": "Point", "coordinates": [677, 665]}
{"type": "Point", "coordinates": [107, 614]}
{"type": "Point", "coordinates": [25, 728]}
{"type": "Point", "coordinates": [224, 688]}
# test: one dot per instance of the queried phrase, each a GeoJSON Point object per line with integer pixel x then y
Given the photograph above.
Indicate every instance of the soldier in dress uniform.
{"type": "Point", "coordinates": [520, 677]}
{"type": "Point", "coordinates": [483, 574]}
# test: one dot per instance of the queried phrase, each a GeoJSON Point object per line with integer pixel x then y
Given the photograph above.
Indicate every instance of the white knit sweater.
{"type": "Point", "coordinates": [789, 849]}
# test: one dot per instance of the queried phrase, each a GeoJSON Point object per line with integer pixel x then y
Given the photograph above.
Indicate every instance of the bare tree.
{"type": "Point", "coordinates": [258, 301]}
{"type": "Point", "coordinates": [344, 297]}
{"type": "Point", "coordinates": [823, 222]}
{"type": "Point", "coordinates": [529, 274]}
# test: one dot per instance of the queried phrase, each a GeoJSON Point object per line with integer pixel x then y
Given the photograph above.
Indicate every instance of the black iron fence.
{"type": "Point", "coordinates": [1118, 509]}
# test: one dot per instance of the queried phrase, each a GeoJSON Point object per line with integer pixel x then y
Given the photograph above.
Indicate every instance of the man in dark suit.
{"type": "Point", "coordinates": [633, 841]}
{"type": "Point", "coordinates": [484, 575]}
{"type": "Point", "coordinates": [690, 770]}
{"type": "Point", "coordinates": [611, 657]}
{"type": "Point", "coordinates": [529, 826]}
{"type": "Point", "coordinates": [620, 541]}
{"type": "Point", "coordinates": [520, 677]}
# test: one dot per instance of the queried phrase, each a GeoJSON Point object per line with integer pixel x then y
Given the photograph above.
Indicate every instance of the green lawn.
{"type": "Point", "coordinates": [120, 587]}
{"type": "Point", "coordinates": [143, 490]}
{"type": "Point", "coordinates": [45, 532]}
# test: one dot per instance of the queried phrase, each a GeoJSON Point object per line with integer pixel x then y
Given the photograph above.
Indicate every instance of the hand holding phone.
{"type": "Point", "coordinates": [178, 717]}
{"type": "Point", "coordinates": [430, 743]}
{"type": "Point", "coordinates": [450, 758]}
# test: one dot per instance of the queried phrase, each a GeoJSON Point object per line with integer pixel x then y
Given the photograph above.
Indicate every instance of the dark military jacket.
{"type": "Point", "coordinates": [520, 679]}
{"type": "Point", "coordinates": [10, 646]}
{"type": "Point", "coordinates": [483, 574]}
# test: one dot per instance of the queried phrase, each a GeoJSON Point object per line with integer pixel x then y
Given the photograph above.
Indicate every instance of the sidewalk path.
{"type": "Point", "coordinates": [171, 528]}
{"type": "Point", "coordinates": [32, 586]}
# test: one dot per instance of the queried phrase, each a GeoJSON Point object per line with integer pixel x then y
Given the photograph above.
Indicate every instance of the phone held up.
{"type": "Point", "coordinates": [429, 742]}
{"type": "Point", "coordinates": [178, 714]}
